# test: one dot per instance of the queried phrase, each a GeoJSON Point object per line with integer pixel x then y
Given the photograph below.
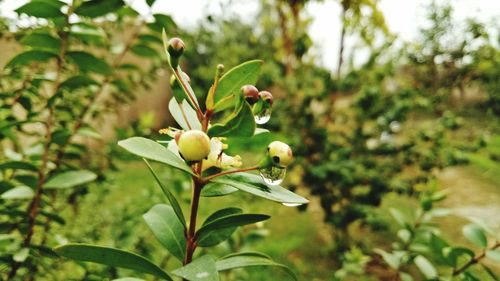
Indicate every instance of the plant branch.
{"type": "Point", "coordinates": [42, 171]}
{"type": "Point", "coordinates": [231, 172]}
{"type": "Point", "coordinates": [474, 260]}
{"type": "Point", "coordinates": [199, 113]}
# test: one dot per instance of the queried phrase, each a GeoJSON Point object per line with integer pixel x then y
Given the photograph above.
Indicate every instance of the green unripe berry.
{"type": "Point", "coordinates": [267, 97]}
{"type": "Point", "coordinates": [194, 145]}
{"type": "Point", "coordinates": [250, 93]}
{"type": "Point", "coordinates": [280, 153]}
{"type": "Point", "coordinates": [176, 47]}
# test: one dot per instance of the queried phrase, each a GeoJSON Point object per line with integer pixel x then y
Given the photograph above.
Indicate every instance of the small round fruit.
{"type": "Point", "coordinates": [194, 145]}
{"type": "Point", "coordinates": [250, 93]}
{"type": "Point", "coordinates": [267, 97]}
{"type": "Point", "coordinates": [176, 47]}
{"type": "Point", "coordinates": [280, 153]}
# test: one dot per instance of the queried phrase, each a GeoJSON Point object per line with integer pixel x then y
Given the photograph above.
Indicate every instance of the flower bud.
{"type": "Point", "coordinates": [280, 153]}
{"type": "Point", "coordinates": [175, 47]}
{"type": "Point", "coordinates": [194, 145]}
{"type": "Point", "coordinates": [267, 97]}
{"type": "Point", "coordinates": [250, 93]}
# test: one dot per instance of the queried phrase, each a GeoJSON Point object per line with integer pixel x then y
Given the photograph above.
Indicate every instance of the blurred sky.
{"type": "Point", "coordinates": [403, 17]}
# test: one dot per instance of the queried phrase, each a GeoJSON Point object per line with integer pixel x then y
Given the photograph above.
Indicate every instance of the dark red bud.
{"type": "Point", "coordinates": [267, 97]}
{"type": "Point", "coordinates": [251, 93]}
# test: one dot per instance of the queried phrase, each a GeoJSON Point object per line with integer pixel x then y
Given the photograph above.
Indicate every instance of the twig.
{"type": "Point", "coordinates": [474, 260]}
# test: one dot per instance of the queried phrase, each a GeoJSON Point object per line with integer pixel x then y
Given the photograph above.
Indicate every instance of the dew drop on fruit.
{"type": "Point", "coordinates": [263, 116]}
{"type": "Point", "coordinates": [273, 175]}
{"type": "Point", "coordinates": [291, 204]}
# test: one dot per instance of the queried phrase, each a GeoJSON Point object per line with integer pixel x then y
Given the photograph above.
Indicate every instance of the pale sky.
{"type": "Point", "coordinates": [403, 16]}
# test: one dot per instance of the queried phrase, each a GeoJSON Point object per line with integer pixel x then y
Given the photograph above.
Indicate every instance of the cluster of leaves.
{"type": "Point", "coordinates": [421, 244]}
{"type": "Point", "coordinates": [232, 118]}
{"type": "Point", "coordinates": [70, 74]}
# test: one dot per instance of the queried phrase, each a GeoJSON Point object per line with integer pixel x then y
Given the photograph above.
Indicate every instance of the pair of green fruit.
{"type": "Point", "coordinates": [194, 145]}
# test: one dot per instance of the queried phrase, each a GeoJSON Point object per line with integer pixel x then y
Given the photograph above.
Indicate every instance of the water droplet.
{"type": "Point", "coordinates": [273, 175]}
{"type": "Point", "coordinates": [263, 116]}
{"type": "Point", "coordinates": [291, 204]}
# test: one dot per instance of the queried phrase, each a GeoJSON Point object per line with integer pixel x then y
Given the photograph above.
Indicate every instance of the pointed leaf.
{"type": "Point", "coordinates": [217, 236]}
{"type": "Point", "coordinates": [214, 189]}
{"type": "Point", "coordinates": [19, 192]}
{"type": "Point", "coordinates": [254, 184]}
{"type": "Point", "coordinates": [232, 220]}
{"type": "Point", "coordinates": [249, 259]}
{"type": "Point", "coordinates": [230, 83]}
{"type": "Point", "coordinates": [40, 9]}
{"type": "Point", "coordinates": [70, 179]}
{"type": "Point", "coordinates": [42, 41]}
{"type": "Point", "coordinates": [87, 62]}
{"type": "Point", "coordinates": [27, 57]}
{"type": "Point", "coordinates": [201, 269]}
{"type": "Point", "coordinates": [112, 257]}
{"type": "Point", "coordinates": [97, 8]}
{"type": "Point", "coordinates": [152, 150]}
{"type": "Point", "coordinates": [183, 112]}
{"type": "Point", "coordinates": [475, 235]}
{"type": "Point", "coordinates": [167, 228]}
{"type": "Point", "coordinates": [242, 125]}
{"type": "Point", "coordinates": [171, 198]}
{"type": "Point", "coordinates": [426, 267]}
{"type": "Point", "coordinates": [18, 165]}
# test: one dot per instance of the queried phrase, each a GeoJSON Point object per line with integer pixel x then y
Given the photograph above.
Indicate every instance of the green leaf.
{"type": "Point", "coordinates": [231, 220]}
{"type": "Point", "coordinates": [214, 189]}
{"type": "Point", "coordinates": [167, 228]}
{"type": "Point", "coordinates": [150, 2]}
{"type": "Point", "coordinates": [452, 254]}
{"type": "Point", "coordinates": [112, 257]}
{"type": "Point", "coordinates": [18, 165]}
{"type": "Point", "coordinates": [70, 179]}
{"type": "Point", "coordinates": [171, 198]}
{"type": "Point", "coordinates": [27, 57]}
{"type": "Point", "coordinates": [88, 132]}
{"type": "Point", "coordinates": [98, 8]}
{"type": "Point", "coordinates": [249, 259]}
{"type": "Point", "coordinates": [152, 150]}
{"type": "Point", "coordinates": [254, 184]}
{"type": "Point", "coordinates": [426, 267]}
{"type": "Point", "coordinates": [230, 83]}
{"type": "Point", "coordinates": [42, 41]}
{"type": "Point", "coordinates": [493, 254]}
{"type": "Point", "coordinates": [475, 235]}
{"type": "Point", "coordinates": [143, 50]}
{"type": "Point", "coordinates": [40, 9]}
{"type": "Point", "coordinates": [19, 192]}
{"type": "Point", "coordinates": [128, 279]}
{"type": "Point", "coordinates": [399, 216]}
{"type": "Point", "coordinates": [393, 260]}
{"type": "Point", "coordinates": [87, 32]}
{"type": "Point", "coordinates": [78, 81]}
{"type": "Point", "coordinates": [218, 235]}
{"type": "Point", "coordinates": [242, 125]}
{"type": "Point", "coordinates": [200, 269]}
{"type": "Point", "coordinates": [21, 255]}
{"type": "Point", "coordinates": [187, 111]}
{"type": "Point", "coordinates": [87, 62]}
